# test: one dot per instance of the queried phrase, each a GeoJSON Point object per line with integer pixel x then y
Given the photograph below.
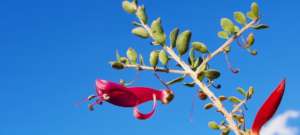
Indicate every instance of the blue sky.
{"type": "Point", "coordinates": [51, 52]}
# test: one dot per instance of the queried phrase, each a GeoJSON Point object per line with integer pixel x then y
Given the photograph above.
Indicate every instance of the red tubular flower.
{"type": "Point", "coordinates": [120, 95]}
{"type": "Point", "coordinates": [268, 109]}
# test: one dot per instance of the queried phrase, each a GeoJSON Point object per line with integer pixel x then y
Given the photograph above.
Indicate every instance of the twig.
{"type": "Point", "coordinates": [194, 75]}
{"type": "Point", "coordinates": [158, 69]}
{"type": "Point", "coordinates": [238, 106]}
{"type": "Point", "coordinates": [226, 44]}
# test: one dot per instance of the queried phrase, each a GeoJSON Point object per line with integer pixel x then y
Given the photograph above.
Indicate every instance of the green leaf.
{"type": "Point", "coordinates": [191, 58]}
{"type": "Point", "coordinates": [129, 7]}
{"type": "Point", "coordinates": [250, 92]}
{"type": "Point", "coordinates": [190, 84]}
{"type": "Point", "coordinates": [199, 46]}
{"type": "Point", "coordinates": [183, 41]}
{"type": "Point", "coordinates": [118, 56]}
{"type": "Point", "coordinates": [117, 65]}
{"type": "Point", "coordinates": [173, 37]}
{"type": "Point", "coordinates": [141, 14]}
{"type": "Point", "coordinates": [260, 27]}
{"type": "Point", "coordinates": [251, 15]}
{"type": "Point", "coordinates": [208, 106]}
{"type": "Point", "coordinates": [234, 99]}
{"type": "Point", "coordinates": [213, 125]}
{"type": "Point", "coordinates": [124, 60]}
{"type": "Point", "coordinates": [154, 58]}
{"type": "Point", "coordinates": [236, 29]}
{"type": "Point", "coordinates": [197, 63]}
{"type": "Point", "coordinates": [176, 80]}
{"type": "Point", "coordinates": [163, 57]}
{"type": "Point", "coordinates": [250, 40]}
{"type": "Point", "coordinates": [140, 32]}
{"type": "Point", "coordinates": [212, 74]}
{"type": "Point", "coordinates": [227, 49]}
{"type": "Point", "coordinates": [227, 25]}
{"type": "Point", "coordinates": [141, 60]}
{"type": "Point", "coordinates": [157, 31]}
{"type": "Point", "coordinates": [241, 91]}
{"type": "Point", "coordinates": [255, 9]}
{"type": "Point", "coordinates": [223, 34]}
{"type": "Point", "coordinates": [240, 17]}
{"type": "Point", "coordinates": [132, 55]}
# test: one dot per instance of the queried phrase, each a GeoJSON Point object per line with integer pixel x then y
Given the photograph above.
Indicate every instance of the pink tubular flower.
{"type": "Point", "coordinates": [120, 95]}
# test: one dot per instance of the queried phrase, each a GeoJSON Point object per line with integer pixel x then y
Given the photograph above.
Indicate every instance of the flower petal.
{"type": "Point", "coordinates": [143, 116]}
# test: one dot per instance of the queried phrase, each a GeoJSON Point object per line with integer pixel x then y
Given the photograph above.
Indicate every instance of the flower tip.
{"type": "Point", "coordinates": [168, 96]}
{"type": "Point", "coordinates": [100, 83]}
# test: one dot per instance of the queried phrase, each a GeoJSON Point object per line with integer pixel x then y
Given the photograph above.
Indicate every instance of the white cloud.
{"type": "Point", "coordinates": [278, 125]}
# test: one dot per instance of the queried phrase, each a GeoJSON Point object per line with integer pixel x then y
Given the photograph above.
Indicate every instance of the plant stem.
{"type": "Point", "coordinates": [159, 69]}
{"type": "Point", "coordinates": [225, 44]}
{"type": "Point", "coordinates": [194, 74]}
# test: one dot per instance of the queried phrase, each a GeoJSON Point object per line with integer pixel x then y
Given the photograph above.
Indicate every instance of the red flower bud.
{"type": "Point", "coordinates": [268, 109]}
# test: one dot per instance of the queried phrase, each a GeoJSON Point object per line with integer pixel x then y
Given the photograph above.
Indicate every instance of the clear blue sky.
{"type": "Point", "coordinates": [51, 52]}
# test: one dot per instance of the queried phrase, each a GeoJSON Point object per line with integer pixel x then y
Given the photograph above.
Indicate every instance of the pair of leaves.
{"type": "Point", "coordinates": [156, 56]}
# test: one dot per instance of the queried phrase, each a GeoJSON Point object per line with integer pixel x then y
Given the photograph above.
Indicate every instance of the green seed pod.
{"type": "Point", "coordinates": [227, 25]}
{"type": "Point", "coordinates": [250, 40]}
{"type": "Point", "coordinates": [141, 14]}
{"type": "Point", "coordinates": [183, 41]}
{"type": "Point", "coordinates": [234, 99]}
{"type": "Point", "coordinates": [129, 7]}
{"type": "Point", "coordinates": [213, 125]}
{"type": "Point", "coordinates": [212, 74]}
{"type": "Point", "coordinates": [157, 31]}
{"type": "Point", "coordinates": [117, 65]}
{"type": "Point", "coordinates": [163, 57]}
{"type": "Point", "coordinates": [240, 17]}
{"type": "Point", "coordinates": [154, 58]}
{"type": "Point", "coordinates": [223, 35]}
{"type": "Point", "coordinates": [255, 9]}
{"type": "Point", "coordinates": [173, 37]}
{"type": "Point", "coordinates": [199, 46]}
{"type": "Point", "coordinates": [140, 32]}
{"type": "Point", "coordinates": [208, 106]}
{"type": "Point", "coordinates": [132, 55]}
